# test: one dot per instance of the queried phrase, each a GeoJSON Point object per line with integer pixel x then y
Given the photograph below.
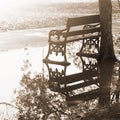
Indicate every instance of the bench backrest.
{"type": "Point", "coordinates": [82, 26]}
{"type": "Point", "coordinates": [82, 20]}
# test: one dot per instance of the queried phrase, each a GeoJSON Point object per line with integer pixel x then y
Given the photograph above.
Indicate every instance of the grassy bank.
{"type": "Point", "coordinates": [111, 112]}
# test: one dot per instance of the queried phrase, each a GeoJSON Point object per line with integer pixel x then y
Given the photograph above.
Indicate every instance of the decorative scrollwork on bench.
{"type": "Point", "coordinates": [90, 65]}
{"type": "Point", "coordinates": [59, 48]}
{"type": "Point", "coordinates": [56, 34]}
{"type": "Point", "coordinates": [91, 43]}
{"type": "Point", "coordinates": [56, 73]}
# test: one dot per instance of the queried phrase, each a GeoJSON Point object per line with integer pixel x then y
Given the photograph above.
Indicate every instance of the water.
{"type": "Point", "coordinates": [12, 63]}
{"type": "Point", "coordinates": [11, 71]}
{"type": "Point", "coordinates": [92, 85]}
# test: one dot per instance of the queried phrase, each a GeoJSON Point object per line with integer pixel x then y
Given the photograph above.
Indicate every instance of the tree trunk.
{"type": "Point", "coordinates": [106, 70]}
{"type": "Point", "coordinates": [106, 49]}
{"type": "Point", "coordinates": [119, 3]}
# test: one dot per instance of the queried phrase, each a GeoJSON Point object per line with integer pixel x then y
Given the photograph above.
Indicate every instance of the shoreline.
{"type": "Point", "coordinates": [23, 38]}
{"type": "Point", "coordinates": [29, 38]}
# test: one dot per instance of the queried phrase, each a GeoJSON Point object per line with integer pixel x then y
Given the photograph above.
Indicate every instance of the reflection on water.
{"type": "Point", "coordinates": [83, 87]}
{"type": "Point", "coordinates": [95, 81]}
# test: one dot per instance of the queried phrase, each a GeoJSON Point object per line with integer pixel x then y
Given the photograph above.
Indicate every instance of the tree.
{"type": "Point", "coordinates": [119, 3]}
{"type": "Point", "coordinates": [106, 49]}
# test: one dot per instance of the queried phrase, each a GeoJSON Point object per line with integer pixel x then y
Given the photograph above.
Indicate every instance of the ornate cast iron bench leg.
{"type": "Point", "coordinates": [91, 43]}
{"type": "Point", "coordinates": [55, 76]}
{"type": "Point", "coordinates": [57, 45]}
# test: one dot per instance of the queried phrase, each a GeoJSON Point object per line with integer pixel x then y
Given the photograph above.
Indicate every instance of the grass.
{"type": "Point", "coordinates": [111, 112]}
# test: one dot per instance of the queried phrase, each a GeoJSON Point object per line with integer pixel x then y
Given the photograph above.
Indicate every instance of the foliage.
{"type": "Point", "coordinates": [35, 101]}
{"type": "Point", "coordinates": [111, 112]}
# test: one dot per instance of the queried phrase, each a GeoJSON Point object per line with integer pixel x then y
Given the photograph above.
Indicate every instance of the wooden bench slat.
{"type": "Point", "coordinates": [64, 63]}
{"type": "Point", "coordinates": [85, 96]}
{"type": "Point", "coordinates": [92, 55]}
{"type": "Point", "coordinates": [80, 85]}
{"type": "Point", "coordinates": [82, 20]}
{"type": "Point", "coordinates": [73, 40]}
{"type": "Point", "coordinates": [82, 38]}
{"type": "Point", "coordinates": [76, 77]}
{"type": "Point", "coordinates": [81, 32]}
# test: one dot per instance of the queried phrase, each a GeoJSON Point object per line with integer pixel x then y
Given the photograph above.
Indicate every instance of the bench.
{"type": "Point", "coordinates": [60, 81]}
{"type": "Point", "coordinates": [84, 29]}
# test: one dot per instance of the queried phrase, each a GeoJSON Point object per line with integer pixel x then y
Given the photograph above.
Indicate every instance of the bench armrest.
{"type": "Point", "coordinates": [56, 35]}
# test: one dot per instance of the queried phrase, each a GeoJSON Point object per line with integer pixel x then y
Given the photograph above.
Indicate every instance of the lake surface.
{"type": "Point", "coordinates": [11, 63]}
